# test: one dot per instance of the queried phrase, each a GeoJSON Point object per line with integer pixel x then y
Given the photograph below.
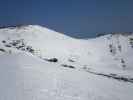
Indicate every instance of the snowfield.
{"type": "Point", "coordinates": [40, 64]}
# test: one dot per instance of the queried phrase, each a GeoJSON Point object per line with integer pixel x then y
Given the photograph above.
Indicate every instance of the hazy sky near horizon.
{"type": "Point", "coordinates": [78, 18]}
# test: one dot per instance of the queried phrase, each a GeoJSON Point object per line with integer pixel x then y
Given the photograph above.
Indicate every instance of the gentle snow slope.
{"type": "Point", "coordinates": [24, 77]}
{"type": "Point", "coordinates": [93, 69]}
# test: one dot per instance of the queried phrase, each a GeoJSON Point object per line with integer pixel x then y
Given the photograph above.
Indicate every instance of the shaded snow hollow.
{"type": "Point", "coordinates": [81, 71]}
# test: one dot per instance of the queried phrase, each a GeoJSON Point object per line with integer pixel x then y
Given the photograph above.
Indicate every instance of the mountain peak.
{"type": "Point", "coordinates": [21, 26]}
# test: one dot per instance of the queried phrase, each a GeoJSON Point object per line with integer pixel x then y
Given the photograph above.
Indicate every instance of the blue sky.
{"type": "Point", "coordinates": [78, 18]}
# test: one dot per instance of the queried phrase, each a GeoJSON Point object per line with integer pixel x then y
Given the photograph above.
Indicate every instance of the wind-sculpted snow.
{"type": "Point", "coordinates": [40, 64]}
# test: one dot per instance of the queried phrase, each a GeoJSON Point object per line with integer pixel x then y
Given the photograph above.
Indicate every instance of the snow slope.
{"type": "Point", "coordinates": [93, 69]}
{"type": "Point", "coordinates": [25, 77]}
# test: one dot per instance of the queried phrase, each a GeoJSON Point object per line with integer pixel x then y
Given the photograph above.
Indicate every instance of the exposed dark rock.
{"type": "Point", "coordinates": [52, 60]}
{"type": "Point", "coordinates": [3, 41]}
{"type": "Point", "coordinates": [30, 49]}
{"type": "Point", "coordinates": [7, 45]}
{"type": "Point", "coordinates": [131, 42]}
{"type": "Point", "coordinates": [68, 66]}
{"type": "Point", "coordinates": [15, 43]}
{"type": "Point", "coordinates": [100, 34]}
{"type": "Point", "coordinates": [112, 49]}
{"type": "Point", "coordinates": [123, 63]}
{"type": "Point", "coordinates": [120, 48]}
{"type": "Point", "coordinates": [71, 60]}
{"type": "Point", "coordinates": [12, 26]}
{"type": "Point", "coordinates": [19, 47]}
{"type": "Point", "coordinates": [122, 33]}
{"type": "Point", "coordinates": [2, 50]}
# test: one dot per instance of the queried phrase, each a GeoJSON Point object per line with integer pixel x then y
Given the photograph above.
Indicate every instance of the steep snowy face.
{"type": "Point", "coordinates": [44, 41]}
{"type": "Point", "coordinates": [113, 50]}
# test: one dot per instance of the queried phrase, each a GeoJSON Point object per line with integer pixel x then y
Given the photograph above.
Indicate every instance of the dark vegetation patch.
{"type": "Point", "coordinates": [19, 44]}
{"type": "Point", "coordinates": [7, 45]}
{"type": "Point", "coordinates": [3, 41]}
{"type": "Point", "coordinates": [2, 50]}
{"type": "Point", "coordinates": [29, 49]}
{"type": "Point", "coordinates": [120, 48]}
{"type": "Point", "coordinates": [100, 34]}
{"type": "Point", "coordinates": [123, 63]}
{"type": "Point", "coordinates": [115, 33]}
{"type": "Point", "coordinates": [68, 66]}
{"type": "Point", "coordinates": [131, 42]}
{"type": "Point", "coordinates": [112, 49]}
{"type": "Point", "coordinates": [71, 60]}
{"type": "Point", "coordinates": [51, 60]}
{"type": "Point", "coordinates": [122, 33]}
{"type": "Point", "coordinates": [12, 26]}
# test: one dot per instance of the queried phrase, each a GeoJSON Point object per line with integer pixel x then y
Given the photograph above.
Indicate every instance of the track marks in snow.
{"type": "Point", "coordinates": [113, 76]}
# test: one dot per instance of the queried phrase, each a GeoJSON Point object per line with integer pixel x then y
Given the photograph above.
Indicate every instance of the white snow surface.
{"type": "Point", "coordinates": [26, 75]}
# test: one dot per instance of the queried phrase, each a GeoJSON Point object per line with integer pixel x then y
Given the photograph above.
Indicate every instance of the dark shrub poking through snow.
{"type": "Point", "coordinates": [100, 34]}
{"type": "Point", "coordinates": [123, 63]}
{"type": "Point", "coordinates": [7, 45]}
{"type": "Point", "coordinates": [2, 50]}
{"type": "Point", "coordinates": [71, 60]}
{"type": "Point", "coordinates": [19, 47]}
{"type": "Point", "coordinates": [131, 42]}
{"type": "Point", "coordinates": [19, 44]}
{"type": "Point", "coordinates": [112, 49]}
{"type": "Point", "coordinates": [30, 49]}
{"type": "Point", "coordinates": [52, 60]}
{"type": "Point", "coordinates": [68, 66]}
{"type": "Point", "coordinates": [3, 41]}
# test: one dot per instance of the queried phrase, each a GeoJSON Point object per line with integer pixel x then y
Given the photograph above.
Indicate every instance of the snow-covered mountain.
{"type": "Point", "coordinates": [37, 63]}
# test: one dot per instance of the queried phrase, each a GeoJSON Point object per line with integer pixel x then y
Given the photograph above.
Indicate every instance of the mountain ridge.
{"type": "Point", "coordinates": [42, 26]}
